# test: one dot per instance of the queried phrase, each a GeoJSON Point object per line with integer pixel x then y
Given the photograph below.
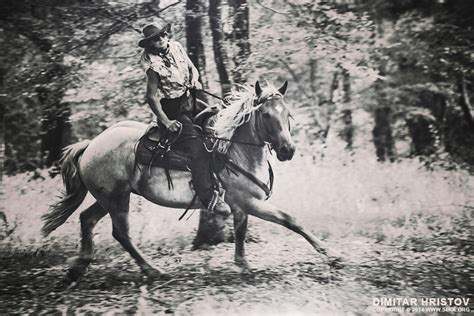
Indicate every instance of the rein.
{"type": "Point", "coordinates": [227, 139]}
{"type": "Point", "coordinates": [212, 95]}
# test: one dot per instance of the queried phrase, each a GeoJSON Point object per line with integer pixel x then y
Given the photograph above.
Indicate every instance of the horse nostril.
{"type": "Point", "coordinates": [285, 151]}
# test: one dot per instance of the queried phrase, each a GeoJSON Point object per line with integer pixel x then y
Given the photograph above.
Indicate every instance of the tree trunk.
{"type": "Point", "coordinates": [241, 38]}
{"type": "Point", "coordinates": [220, 56]}
{"type": "Point", "coordinates": [382, 135]}
{"type": "Point", "coordinates": [331, 103]}
{"type": "Point", "coordinates": [194, 42]}
{"type": "Point", "coordinates": [464, 103]}
{"type": "Point", "coordinates": [422, 138]}
{"type": "Point", "coordinates": [348, 131]}
{"type": "Point", "coordinates": [313, 65]}
{"type": "Point", "coordinates": [55, 126]}
{"type": "Point", "coordinates": [211, 231]}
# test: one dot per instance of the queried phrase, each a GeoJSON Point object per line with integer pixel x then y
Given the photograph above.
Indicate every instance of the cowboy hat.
{"type": "Point", "coordinates": [152, 31]}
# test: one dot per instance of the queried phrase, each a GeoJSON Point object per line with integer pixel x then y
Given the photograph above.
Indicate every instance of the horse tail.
{"type": "Point", "coordinates": [75, 192]}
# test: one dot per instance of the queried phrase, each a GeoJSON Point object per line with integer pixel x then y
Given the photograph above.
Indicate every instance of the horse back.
{"type": "Point", "coordinates": [109, 159]}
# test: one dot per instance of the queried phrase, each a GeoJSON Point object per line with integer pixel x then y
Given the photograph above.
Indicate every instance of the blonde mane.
{"type": "Point", "coordinates": [239, 109]}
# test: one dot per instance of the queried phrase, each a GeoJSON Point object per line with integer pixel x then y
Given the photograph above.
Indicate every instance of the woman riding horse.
{"type": "Point", "coordinates": [170, 73]}
{"type": "Point", "coordinates": [106, 167]}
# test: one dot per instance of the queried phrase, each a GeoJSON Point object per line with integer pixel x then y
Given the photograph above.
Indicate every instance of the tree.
{"type": "Point", "coordinates": [240, 38]}
{"type": "Point", "coordinates": [194, 41]}
{"type": "Point", "coordinates": [220, 55]}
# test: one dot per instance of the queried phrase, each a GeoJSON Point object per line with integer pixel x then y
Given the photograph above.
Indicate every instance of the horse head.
{"type": "Point", "coordinates": [272, 120]}
{"type": "Point", "coordinates": [265, 114]}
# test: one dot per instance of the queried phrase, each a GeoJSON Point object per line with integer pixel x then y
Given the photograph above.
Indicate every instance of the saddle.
{"type": "Point", "coordinates": [162, 149]}
{"type": "Point", "coordinates": [156, 149]}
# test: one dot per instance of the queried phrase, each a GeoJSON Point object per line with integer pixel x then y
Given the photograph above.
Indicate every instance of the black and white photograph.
{"type": "Point", "coordinates": [237, 157]}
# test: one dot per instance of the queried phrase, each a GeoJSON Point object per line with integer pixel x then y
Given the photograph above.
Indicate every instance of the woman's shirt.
{"type": "Point", "coordinates": [172, 69]}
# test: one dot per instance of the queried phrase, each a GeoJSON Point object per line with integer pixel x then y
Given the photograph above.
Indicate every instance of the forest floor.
{"type": "Point", "coordinates": [410, 255]}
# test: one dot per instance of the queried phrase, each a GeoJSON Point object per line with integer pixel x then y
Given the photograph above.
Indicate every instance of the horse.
{"type": "Point", "coordinates": [105, 167]}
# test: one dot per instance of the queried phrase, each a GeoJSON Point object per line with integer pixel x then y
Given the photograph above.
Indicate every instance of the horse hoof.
{"type": "Point", "coordinates": [66, 283]}
{"type": "Point", "coordinates": [243, 265]}
{"type": "Point", "coordinates": [337, 262]}
{"type": "Point", "coordinates": [76, 272]}
{"type": "Point", "coordinates": [155, 273]}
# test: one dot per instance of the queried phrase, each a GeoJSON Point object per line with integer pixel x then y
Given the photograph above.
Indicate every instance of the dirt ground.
{"type": "Point", "coordinates": [287, 277]}
{"type": "Point", "coordinates": [413, 256]}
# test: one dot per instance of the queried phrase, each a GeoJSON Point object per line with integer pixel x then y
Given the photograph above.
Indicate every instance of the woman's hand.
{"type": "Point", "coordinates": [173, 126]}
{"type": "Point", "coordinates": [195, 84]}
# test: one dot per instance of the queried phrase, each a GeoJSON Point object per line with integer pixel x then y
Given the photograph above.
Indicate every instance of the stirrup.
{"type": "Point", "coordinates": [213, 202]}
{"type": "Point", "coordinates": [216, 198]}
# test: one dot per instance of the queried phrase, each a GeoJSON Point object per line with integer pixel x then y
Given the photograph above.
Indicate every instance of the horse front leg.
{"type": "Point", "coordinates": [268, 212]}
{"type": "Point", "coordinates": [240, 231]}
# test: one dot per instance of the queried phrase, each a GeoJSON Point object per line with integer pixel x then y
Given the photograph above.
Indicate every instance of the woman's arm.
{"type": "Point", "coordinates": [153, 100]}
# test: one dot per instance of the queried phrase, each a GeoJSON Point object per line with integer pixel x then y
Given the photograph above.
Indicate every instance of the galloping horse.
{"type": "Point", "coordinates": [105, 167]}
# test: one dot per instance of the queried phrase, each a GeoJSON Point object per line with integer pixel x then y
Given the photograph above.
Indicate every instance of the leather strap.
{"type": "Point", "coordinates": [189, 207]}
{"type": "Point", "coordinates": [266, 188]}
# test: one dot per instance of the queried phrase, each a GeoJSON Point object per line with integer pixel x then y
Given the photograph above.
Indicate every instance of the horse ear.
{"type": "Point", "coordinates": [258, 89]}
{"type": "Point", "coordinates": [168, 28]}
{"type": "Point", "coordinates": [283, 88]}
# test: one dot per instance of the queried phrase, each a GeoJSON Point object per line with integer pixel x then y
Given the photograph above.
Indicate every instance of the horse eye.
{"type": "Point", "coordinates": [266, 114]}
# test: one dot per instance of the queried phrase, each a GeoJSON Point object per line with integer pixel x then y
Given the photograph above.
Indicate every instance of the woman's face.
{"type": "Point", "coordinates": [159, 43]}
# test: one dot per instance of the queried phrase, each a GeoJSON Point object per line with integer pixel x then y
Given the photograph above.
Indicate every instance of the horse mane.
{"type": "Point", "coordinates": [237, 112]}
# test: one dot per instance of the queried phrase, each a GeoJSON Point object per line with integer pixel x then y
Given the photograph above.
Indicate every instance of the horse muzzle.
{"type": "Point", "coordinates": [286, 152]}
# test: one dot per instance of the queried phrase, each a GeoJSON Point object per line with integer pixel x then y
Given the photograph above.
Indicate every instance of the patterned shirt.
{"type": "Point", "coordinates": [172, 69]}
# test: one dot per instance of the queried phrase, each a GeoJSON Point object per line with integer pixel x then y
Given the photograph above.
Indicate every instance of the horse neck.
{"type": "Point", "coordinates": [247, 156]}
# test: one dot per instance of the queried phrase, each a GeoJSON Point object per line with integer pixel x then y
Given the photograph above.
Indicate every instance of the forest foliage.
{"type": "Point", "coordinates": [394, 78]}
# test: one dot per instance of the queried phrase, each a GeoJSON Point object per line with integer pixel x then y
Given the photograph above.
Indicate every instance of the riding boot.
{"type": "Point", "coordinates": [201, 171]}
{"type": "Point", "coordinates": [203, 185]}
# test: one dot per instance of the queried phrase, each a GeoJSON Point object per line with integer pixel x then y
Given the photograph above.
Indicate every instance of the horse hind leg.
{"type": "Point", "coordinates": [89, 218]}
{"type": "Point", "coordinates": [118, 207]}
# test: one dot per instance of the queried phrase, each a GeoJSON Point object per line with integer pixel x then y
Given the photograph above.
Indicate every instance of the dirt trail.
{"type": "Point", "coordinates": [287, 277]}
